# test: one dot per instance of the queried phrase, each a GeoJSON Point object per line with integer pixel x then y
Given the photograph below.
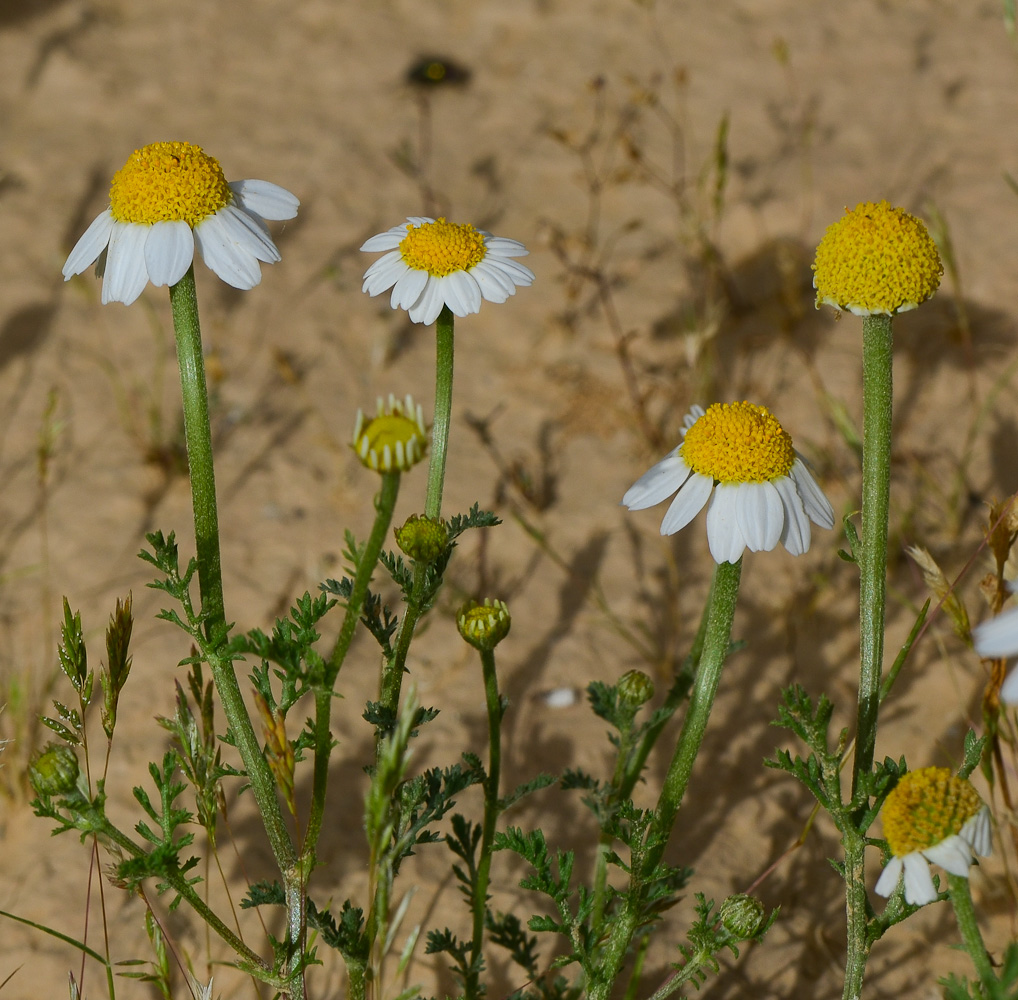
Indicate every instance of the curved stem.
{"type": "Point", "coordinates": [876, 490]}
{"type": "Point", "coordinates": [444, 346]}
{"type": "Point", "coordinates": [961, 900]}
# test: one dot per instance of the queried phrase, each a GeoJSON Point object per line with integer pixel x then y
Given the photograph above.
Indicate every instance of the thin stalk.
{"type": "Point", "coordinates": [961, 900]}
{"type": "Point", "coordinates": [857, 913]}
{"type": "Point", "coordinates": [493, 704]}
{"type": "Point", "coordinates": [876, 490]}
{"type": "Point", "coordinates": [444, 348]}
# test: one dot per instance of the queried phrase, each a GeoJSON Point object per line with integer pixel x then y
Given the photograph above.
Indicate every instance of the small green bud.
{"type": "Point", "coordinates": [423, 539]}
{"type": "Point", "coordinates": [635, 688]}
{"type": "Point", "coordinates": [485, 625]}
{"type": "Point", "coordinates": [742, 916]}
{"type": "Point", "coordinates": [53, 770]}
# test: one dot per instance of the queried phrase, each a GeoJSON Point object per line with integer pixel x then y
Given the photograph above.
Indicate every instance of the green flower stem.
{"type": "Point", "coordinates": [198, 437]}
{"type": "Point", "coordinates": [493, 702]}
{"type": "Point", "coordinates": [443, 411]}
{"type": "Point", "coordinates": [857, 911]}
{"type": "Point", "coordinates": [724, 595]}
{"type": "Point", "coordinates": [876, 490]}
{"type": "Point", "coordinates": [961, 900]}
{"type": "Point", "coordinates": [385, 504]}
{"type": "Point", "coordinates": [721, 614]}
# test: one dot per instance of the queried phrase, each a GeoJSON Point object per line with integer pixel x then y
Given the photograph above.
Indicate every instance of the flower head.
{"type": "Point", "coordinates": [433, 263]}
{"type": "Point", "coordinates": [996, 639]}
{"type": "Point", "coordinates": [423, 539]}
{"type": "Point", "coordinates": [167, 198]}
{"type": "Point", "coordinates": [931, 816]}
{"type": "Point", "coordinates": [738, 461]}
{"type": "Point", "coordinates": [485, 625]}
{"type": "Point", "coordinates": [394, 439]}
{"type": "Point", "coordinates": [53, 770]}
{"type": "Point", "coordinates": [876, 260]}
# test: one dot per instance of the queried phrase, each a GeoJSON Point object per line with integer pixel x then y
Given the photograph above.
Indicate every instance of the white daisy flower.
{"type": "Point", "coordinates": [997, 639]}
{"type": "Point", "coordinates": [736, 460]}
{"type": "Point", "coordinates": [433, 263]}
{"type": "Point", "coordinates": [931, 816]}
{"type": "Point", "coordinates": [167, 198]}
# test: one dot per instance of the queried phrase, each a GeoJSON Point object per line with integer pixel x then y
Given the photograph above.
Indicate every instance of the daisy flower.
{"type": "Point", "coordinates": [998, 638]}
{"type": "Point", "coordinates": [876, 260]}
{"type": "Point", "coordinates": [738, 462]}
{"type": "Point", "coordinates": [931, 816]}
{"type": "Point", "coordinates": [433, 263]}
{"type": "Point", "coordinates": [394, 439]}
{"type": "Point", "coordinates": [167, 198]}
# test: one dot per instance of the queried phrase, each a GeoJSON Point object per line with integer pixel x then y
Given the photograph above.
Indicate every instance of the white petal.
{"type": "Point", "coordinates": [724, 536]}
{"type": "Point", "coordinates": [817, 506]}
{"type": "Point", "coordinates": [503, 247]}
{"type": "Point", "coordinates": [92, 243]}
{"type": "Point", "coordinates": [416, 220]}
{"type": "Point", "coordinates": [169, 251]}
{"type": "Point", "coordinates": [426, 309]}
{"type": "Point", "coordinates": [384, 273]}
{"type": "Point", "coordinates": [1009, 689]}
{"type": "Point", "coordinates": [795, 535]}
{"type": "Point", "coordinates": [919, 888]}
{"type": "Point", "coordinates": [760, 514]}
{"type": "Point", "coordinates": [977, 834]}
{"type": "Point", "coordinates": [235, 265]}
{"type": "Point", "coordinates": [126, 274]}
{"type": "Point", "coordinates": [695, 412]}
{"type": "Point", "coordinates": [952, 854]}
{"type": "Point", "coordinates": [408, 288]}
{"type": "Point", "coordinates": [268, 200]}
{"type": "Point", "coordinates": [248, 233]}
{"type": "Point", "coordinates": [461, 293]}
{"type": "Point", "coordinates": [888, 880]}
{"type": "Point", "coordinates": [687, 504]}
{"type": "Point", "coordinates": [388, 240]}
{"type": "Point", "coordinates": [999, 636]}
{"type": "Point", "coordinates": [657, 483]}
{"type": "Point", "coordinates": [517, 273]}
{"type": "Point", "coordinates": [495, 286]}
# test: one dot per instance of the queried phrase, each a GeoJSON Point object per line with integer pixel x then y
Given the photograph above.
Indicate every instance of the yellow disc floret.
{"type": "Point", "coordinates": [394, 439]}
{"type": "Point", "coordinates": [169, 182]}
{"type": "Point", "coordinates": [926, 807]}
{"type": "Point", "coordinates": [442, 247]}
{"type": "Point", "coordinates": [876, 260]}
{"type": "Point", "coordinates": [738, 443]}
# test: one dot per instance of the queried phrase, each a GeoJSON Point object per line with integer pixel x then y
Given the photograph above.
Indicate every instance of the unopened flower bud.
{"type": "Point", "coordinates": [485, 625]}
{"type": "Point", "coordinates": [635, 688]}
{"type": "Point", "coordinates": [742, 916]}
{"type": "Point", "coordinates": [423, 539]}
{"type": "Point", "coordinates": [53, 770]}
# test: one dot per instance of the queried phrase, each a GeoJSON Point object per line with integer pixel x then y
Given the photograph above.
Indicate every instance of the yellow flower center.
{"type": "Point", "coordinates": [169, 182]}
{"type": "Point", "coordinates": [738, 443]}
{"type": "Point", "coordinates": [442, 247]}
{"type": "Point", "coordinates": [876, 259]}
{"type": "Point", "coordinates": [395, 438]}
{"type": "Point", "coordinates": [926, 807]}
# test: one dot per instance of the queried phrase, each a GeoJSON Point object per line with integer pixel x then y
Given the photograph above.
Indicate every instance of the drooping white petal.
{"type": "Point", "coordinates": [817, 506]}
{"type": "Point", "coordinates": [977, 834]}
{"type": "Point", "coordinates": [888, 880]}
{"type": "Point", "coordinates": [426, 309]}
{"type": "Point", "coordinates": [461, 293]}
{"type": "Point", "coordinates": [169, 251]}
{"type": "Point", "coordinates": [505, 247]}
{"type": "Point", "coordinates": [494, 284]}
{"type": "Point", "coordinates": [384, 273]}
{"type": "Point", "coordinates": [247, 233]}
{"type": "Point", "coordinates": [795, 535]}
{"type": "Point", "coordinates": [517, 273]}
{"type": "Point", "coordinates": [388, 240]}
{"type": "Point", "coordinates": [952, 854]}
{"type": "Point", "coordinates": [999, 636]}
{"type": "Point", "coordinates": [689, 501]}
{"type": "Point", "coordinates": [724, 536]}
{"type": "Point", "coordinates": [408, 288]}
{"type": "Point", "coordinates": [760, 515]}
{"type": "Point", "coordinates": [263, 198]}
{"type": "Point", "coordinates": [236, 265]}
{"type": "Point", "coordinates": [126, 275]}
{"type": "Point", "coordinates": [1009, 689]}
{"type": "Point", "coordinates": [658, 482]}
{"type": "Point", "coordinates": [92, 243]}
{"type": "Point", "coordinates": [919, 888]}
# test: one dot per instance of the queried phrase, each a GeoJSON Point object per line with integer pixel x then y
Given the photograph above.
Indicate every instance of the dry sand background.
{"type": "Point", "coordinates": [828, 105]}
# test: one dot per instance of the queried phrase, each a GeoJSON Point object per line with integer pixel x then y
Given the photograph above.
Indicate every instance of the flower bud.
{"type": "Point", "coordinates": [635, 688]}
{"type": "Point", "coordinates": [485, 625]}
{"type": "Point", "coordinates": [742, 916]}
{"type": "Point", "coordinates": [53, 770]}
{"type": "Point", "coordinates": [423, 539]}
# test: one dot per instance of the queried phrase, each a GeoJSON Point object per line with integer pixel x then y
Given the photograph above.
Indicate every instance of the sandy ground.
{"type": "Point", "coordinates": [588, 130]}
